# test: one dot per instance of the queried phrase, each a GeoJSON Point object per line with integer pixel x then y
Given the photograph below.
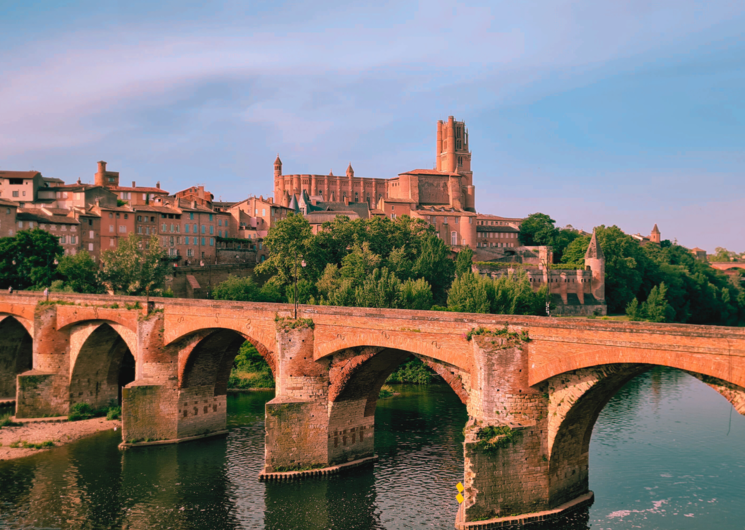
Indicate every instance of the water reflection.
{"type": "Point", "coordinates": [660, 458]}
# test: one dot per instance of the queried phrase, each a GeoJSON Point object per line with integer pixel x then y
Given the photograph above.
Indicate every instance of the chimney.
{"type": "Point", "coordinates": [157, 184]}
{"type": "Point", "coordinates": [134, 184]}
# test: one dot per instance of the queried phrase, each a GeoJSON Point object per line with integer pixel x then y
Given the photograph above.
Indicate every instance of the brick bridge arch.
{"type": "Point", "coordinates": [16, 352]}
{"type": "Point", "coordinates": [575, 400]}
{"type": "Point", "coordinates": [103, 359]}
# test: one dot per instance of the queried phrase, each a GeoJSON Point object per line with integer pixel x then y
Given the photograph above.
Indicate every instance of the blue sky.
{"type": "Point", "coordinates": [611, 112]}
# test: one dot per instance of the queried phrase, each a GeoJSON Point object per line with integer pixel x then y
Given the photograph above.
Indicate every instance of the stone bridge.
{"type": "Point", "coordinates": [533, 386]}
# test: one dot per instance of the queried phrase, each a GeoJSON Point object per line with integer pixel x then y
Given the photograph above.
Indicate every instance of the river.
{"type": "Point", "coordinates": [667, 453]}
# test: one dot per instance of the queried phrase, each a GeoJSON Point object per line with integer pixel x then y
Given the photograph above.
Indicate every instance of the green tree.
{"type": "Point", "coordinates": [654, 309]}
{"type": "Point", "coordinates": [381, 289]}
{"type": "Point", "coordinates": [246, 290]}
{"type": "Point", "coordinates": [723, 255]}
{"type": "Point", "coordinates": [416, 294]}
{"type": "Point", "coordinates": [471, 294]}
{"type": "Point", "coordinates": [575, 251]}
{"type": "Point", "coordinates": [135, 267]}
{"type": "Point", "coordinates": [27, 259]}
{"type": "Point", "coordinates": [464, 261]}
{"type": "Point", "coordinates": [289, 239]}
{"type": "Point", "coordinates": [538, 230]}
{"type": "Point", "coordinates": [80, 273]}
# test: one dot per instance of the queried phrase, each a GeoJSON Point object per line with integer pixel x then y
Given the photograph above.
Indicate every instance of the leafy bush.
{"type": "Point", "coordinates": [385, 392]}
{"type": "Point", "coordinates": [412, 371]}
{"type": "Point", "coordinates": [6, 421]}
{"type": "Point", "coordinates": [81, 411]}
{"type": "Point", "coordinates": [114, 413]}
{"type": "Point", "coordinates": [250, 370]}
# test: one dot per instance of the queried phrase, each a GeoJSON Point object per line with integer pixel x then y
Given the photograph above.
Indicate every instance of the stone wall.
{"type": "Point", "coordinates": [207, 278]}
{"type": "Point", "coordinates": [149, 413]}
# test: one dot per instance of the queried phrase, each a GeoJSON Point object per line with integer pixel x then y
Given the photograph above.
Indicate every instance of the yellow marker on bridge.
{"type": "Point", "coordinates": [460, 488]}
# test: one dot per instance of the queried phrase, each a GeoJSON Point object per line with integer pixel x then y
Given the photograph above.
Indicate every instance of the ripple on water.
{"type": "Point", "coordinates": [660, 458]}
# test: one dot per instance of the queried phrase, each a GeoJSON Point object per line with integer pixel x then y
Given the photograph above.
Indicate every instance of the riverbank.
{"type": "Point", "coordinates": [44, 435]}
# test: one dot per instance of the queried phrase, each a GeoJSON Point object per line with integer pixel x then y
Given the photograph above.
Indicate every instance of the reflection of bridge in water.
{"type": "Point", "coordinates": [543, 395]}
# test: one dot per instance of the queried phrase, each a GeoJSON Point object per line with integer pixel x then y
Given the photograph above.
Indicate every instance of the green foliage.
{"type": "Point", "coordinates": [250, 370]}
{"type": "Point", "coordinates": [415, 294]}
{"type": "Point", "coordinates": [538, 229]}
{"type": "Point", "coordinates": [135, 267]}
{"type": "Point", "coordinates": [505, 333]}
{"type": "Point", "coordinates": [511, 294]}
{"type": "Point", "coordinates": [341, 259]}
{"type": "Point", "coordinates": [413, 371]}
{"type": "Point", "coordinates": [78, 273]}
{"type": "Point", "coordinates": [287, 323]}
{"type": "Point", "coordinates": [464, 261]}
{"type": "Point", "coordinates": [723, 255]}
{"type": "Point", "coordinates": [246, 290]}
{"type": "Point", "coordinates": [386, 391]}
{"type": "Point", "coordinates": [27, 259]}
{"type": "Point", "coordinates": [492, 438]}
{"type": "Point", "coordinates": [6, 421]}
{"type": "Point", "coordinates": [81, 411]}
{"type": "Point", "coordinates": [114, 413]}
{"type": "Point", "coordinates": [23, 444]}
{"type": "Point", "coordinates": [655, 309]}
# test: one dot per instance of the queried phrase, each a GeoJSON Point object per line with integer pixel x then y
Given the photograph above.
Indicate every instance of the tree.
{"type": "Point", "coordinates": [723, 255]}
{"type": "Point", "coordinates": [27, 259]}
{"type": "Point", "coordinates": [287, 241]}
{"type": "Point", "coordinates": [470, 294]}
{"type": "Point", "coordinates": [538, 230]}
{"type": "Point", "coordinates": [246, 290]}
{"type": "Point", "coordinates": [135, 267]}
{"type": "Point", "coordinates": [655, 309]}
{"type": "Point", "coordinates": [416, 294]}
{"type": "Point", "coordinates": [575, 251]}
{"type": "Point", "coordinates": [80, 273]}
{"type": "Point", "coordinates": [464, 261]}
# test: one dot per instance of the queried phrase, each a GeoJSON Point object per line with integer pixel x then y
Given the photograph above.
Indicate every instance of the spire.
{"type": "Point", "coordinates": [350, 171]}
{"type": "Point", "coordinates": [293, 204]}
{"type": "Point", "coordinates": [594, 251]}
{"type": "Point", "coordinates": [331, 173]}
{"type": "Point", "coordinates": [655, 230]}
{"type": "Point", "coordinates": [277, 160]}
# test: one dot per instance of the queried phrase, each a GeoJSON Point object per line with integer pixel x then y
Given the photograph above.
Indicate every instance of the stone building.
{"type": "Point", "coordinates": [579, 292]}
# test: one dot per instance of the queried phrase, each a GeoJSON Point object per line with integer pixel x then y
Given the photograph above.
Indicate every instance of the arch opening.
{"type": "Point", "coordinates": [16, 354]}
{"type": "Point", "coordinates": [356, 377]}
{"type": "Point", "coordinates": [209, 359]}
{"type": "Point", "coordinates": [206, 360]}
{"type": "Point", "coordinates": [587, 391]}
{"type": "Point", "coordinates": [103, 366]}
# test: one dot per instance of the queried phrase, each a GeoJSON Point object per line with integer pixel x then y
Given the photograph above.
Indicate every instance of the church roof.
{"type": "Point", "coordinates": [430, 172]}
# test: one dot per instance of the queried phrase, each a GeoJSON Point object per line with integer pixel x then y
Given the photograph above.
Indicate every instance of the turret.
{"type": "Point", "coordinates": [595, 262]}
{"type": "Point", "coordinates": [654, 237]}
{"type": "Point", "coordinates": [100, 178]}
{"type": "Point", "coordinates": [277, 167]}
{"type": "Point", "coordinates": [350, 171]}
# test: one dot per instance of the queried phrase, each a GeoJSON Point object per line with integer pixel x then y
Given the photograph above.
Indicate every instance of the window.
{"type": "Point", "coordinates": [152, 219]}
{"type": "Point", "coordinates": [111, 229]}
{"type": "Point", "coordinates": [212, 229]}
{"type": "Point", "coordinates": [139, 229]}
{"type": "Point", "coordinates": [23, 193]}
{"type": "Point", "coordinates": [73, 240]}
{"type": "Point", "coordinates": [144, 196]}
{"type": "Point", "coordinates": [178, 229]}
{"type": "Point", "coordinates": [7, 211]}
{"type": "Point", "coordinates": [195, 229]}
{"type": "Point", "coordinates": [15, 194]}
{"type": "Point", "coordinates": [186, 228]}
{"type": "Point", "coordinates": [186, 240]}
{"type": "Point", "coordinates": [453, 238]}
{"type": "Point", "coordinates": [260, 245]}
{"type": "Point", "coordinates": [139, 218]}
{"type": "Point", "coordinates": [445, 220]}
{"type": "Point", "coordinates": [170, 240]}
{"type": "Point", "coordinates": [126, 216]}
{"type": "Point", "coordinates": [191, 215]}
{"type": "Point", "coordinates": [219, 222]}
{"type": "Point", "coordinates": [111, 215]}
{"type": "Point", "coordinates": [63, 240]}
{"type": "Point", "coordinates": [212, 241]}
{"type": "Point", "coordinates": [256, 212]}
{"type": "Point", "coordinates": [111, 242]}
{"type": "Point", "coordinates": [171, 227]}
{"type": "Point", "coordinates": [189, 252]}
{"type": "Point", "coordinates": [164, 227]}
{"type": "Point", "coordinates": [202, 241]}
{"type": "Point", "coordinates": [91, 234]}
{"type": "Point", "coordinates": [90, 247]}
{"type": "Point", "coordinates": [219, 233]}
{"type": "Point", "coordinates": [118, 215]}
{"type": "Point", "coordinates": [20, 224]}
{"type": "Point", "coordinates": [122, 229]}
{"type": "Point", "coordinates": [210, 217]}
{"type": "Point", "coordinates": [204, 228]}
{"type": "Point", "coordinates": [263, 211]}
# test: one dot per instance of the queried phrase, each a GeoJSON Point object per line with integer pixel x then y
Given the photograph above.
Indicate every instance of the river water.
{"type": "Point", "coordinates": [666, 453]}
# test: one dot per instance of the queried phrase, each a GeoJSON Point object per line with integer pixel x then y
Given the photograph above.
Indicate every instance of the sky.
{"type": "Point", "coordinates": [594, 112]}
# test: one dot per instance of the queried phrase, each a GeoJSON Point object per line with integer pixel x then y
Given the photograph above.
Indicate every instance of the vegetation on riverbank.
{"type": "Point", "coordinates": [83, 411]}
{"type": "Point", "coordinates": [250, 370]}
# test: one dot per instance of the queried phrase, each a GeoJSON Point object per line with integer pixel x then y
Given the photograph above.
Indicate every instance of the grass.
{"type": "Point", "coordinates": [6, 421]}
{"type": "Point", "coordinates": [22, 444]}
{"type": "Point", "coordinates": [83, 411]}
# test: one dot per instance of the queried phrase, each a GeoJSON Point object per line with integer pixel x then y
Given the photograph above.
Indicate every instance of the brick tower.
{"type": "Point", "coordinates": [595, 261]}
{"type": "Point", "coordinates": [454, 157]}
